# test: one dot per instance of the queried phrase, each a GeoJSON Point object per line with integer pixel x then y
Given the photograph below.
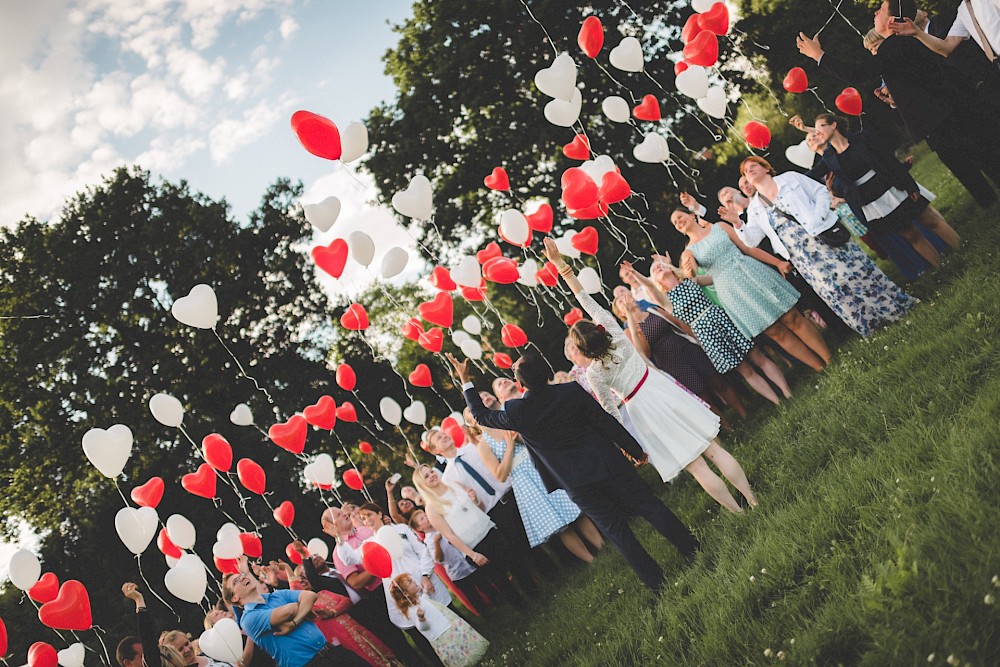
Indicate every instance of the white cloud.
{"type": "Point", "coordinates": [230, 135]}
{"type": "Point", "coordinates": [166, 155]}
{"type": "Point", "coordinates": [288, 28]}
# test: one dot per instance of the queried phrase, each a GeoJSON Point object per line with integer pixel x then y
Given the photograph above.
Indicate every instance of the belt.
{"type": "Point", "coordinates": [320, 655]}
{"type": "Point", "coordinates": [642, 381]}
{"type": "Point", "coordinates": [867, 176]}
{"type": "Point", "coordinates": [508, 494]}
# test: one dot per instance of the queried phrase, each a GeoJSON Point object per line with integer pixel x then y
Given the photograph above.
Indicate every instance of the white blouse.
{"type": "Point", "coordinates": [468, 522]}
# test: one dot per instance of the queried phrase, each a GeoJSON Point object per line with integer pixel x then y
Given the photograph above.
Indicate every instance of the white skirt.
{"type": "Point", "coordinates": [673, 425]}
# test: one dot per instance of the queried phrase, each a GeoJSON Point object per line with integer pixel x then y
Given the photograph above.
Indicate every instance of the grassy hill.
{"type": "Point", "coordinates": [877, 541]}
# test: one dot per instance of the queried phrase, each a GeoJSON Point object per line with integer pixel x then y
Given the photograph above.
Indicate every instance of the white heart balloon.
{"type": "Point", "coordinates": [320, 471]}
{"type": "Point", "coordinates": [388, 538]}
{"type": "Point", "coordinates": [558, 80]}
{"type": "Point", "coordinates": [472, 349]}
{"type": "Point", "coordinates": [228, 548]}
{"type": "Point", "coordinates": [458, 336]}
{"type": "Point", "coordinates": [565, 245]}
{"type": "Point", "coordinates": [362, 247]}
{"type": "Point", "coordinates": [187, 580]}
{"type": "Point", "coordinates": [353, 143]}
{"type": "Point", "coordinates": [171, 561]}
{"type": "Point", "coordinates": [24, 569]}
{"type": "Point", "coordinates": [72, 655]}
{"type": "Point", "coordinates": [458, 417]}
{"type": "Point", "coordinates": [616, 109]}
{"type": "Point", "coordinates": [323, 214]}
{"type": "Point", "coordinates": [597, 167]}
{"type": "Point", "coordinates": [564, 113]}
{"type": "Point", "coordinates": [415, 413]}
{"type": "Point", "coordinates": [416, 201]}
{"type": "Point", "coordinates": [472, 324]}
{"type": "Point", "coordinates": [223, 642]}
{"type": "Point", "coordinates": [390, 410]}
{"type": "Point", "coordinates": [693, 82]}
{"type": "Point", "coordinates": [801, 155]}
{"type": "Point", "coordinates": [702, 6]}
{"type": "Point", "coordinates": [714, 102]}
{"type": "Point", "coordinates": [167, 410]}
{"type": "Point", "coordinates": [199, 309]}
{"type": "Point", "coordinates": [590, 280]}
{"type": "Point", "coordinates": [653, 149]}
{"type": "Point", "coordinates": [627, 56]}
{"type": "Point", "coordinates": [109, 450]}
{"type": "Point", "coordinates": [318, 547]}
{"type": "Point", "coordinates": [393, 262]}
{"type": "Point", "coordinates": [527, 272]}
{"type": "Point", "coordinates": [514, 227]}
{"type": "Point", "coordinates": [468, 273]}
{"type": "Point", "coordinates": [241, 415]}
{"type": "Point", "coordinates": [181, 531]}
{"type": "Point", "coordinates": [136, 527]}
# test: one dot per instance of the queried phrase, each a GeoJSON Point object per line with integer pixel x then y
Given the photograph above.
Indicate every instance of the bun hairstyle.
{"type": "Point", "coordinates": [829, 118]}
{"type": "Point", "coordinates": [593, 340]}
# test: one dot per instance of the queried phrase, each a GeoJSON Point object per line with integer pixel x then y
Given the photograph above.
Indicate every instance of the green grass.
{"type": "Point", "coordinates": [878, 533]}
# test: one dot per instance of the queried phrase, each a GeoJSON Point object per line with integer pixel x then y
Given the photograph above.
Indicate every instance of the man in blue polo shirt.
{"type": "Point", "coordinates": [277, 623]}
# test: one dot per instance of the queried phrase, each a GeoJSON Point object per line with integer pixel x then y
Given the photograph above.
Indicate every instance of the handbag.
{"type": "Point", "coordinates": [834, 237]}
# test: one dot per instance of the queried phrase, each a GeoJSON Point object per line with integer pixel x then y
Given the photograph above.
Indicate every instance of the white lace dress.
{"type": "Point", "coordinates": [673, 426]}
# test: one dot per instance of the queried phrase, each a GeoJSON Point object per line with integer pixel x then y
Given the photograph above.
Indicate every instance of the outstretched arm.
{"type": "Point", "coordinates": [940, 46]}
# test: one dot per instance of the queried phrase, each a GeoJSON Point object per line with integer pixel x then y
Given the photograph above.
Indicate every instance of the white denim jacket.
{"type": "Point", "coordinates": [805, 199]}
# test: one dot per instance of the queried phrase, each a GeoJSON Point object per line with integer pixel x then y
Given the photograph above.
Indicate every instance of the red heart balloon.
{"type": "Point", "coordinates": [149, 494]}
{"type": "Point", "coordinates": [474, 293]}
{"type": "Point", "coordinates": [691, 28]}
{"type": "Point", "coordinates": [217, 451]}
{"type": "Point", "coordinates": [226, 565]}
{"type": "Point", "coordinates": [502, 270]}
{"type": "Point", "coordinates": [756, 134]}
{"type": "Point", "coordinates": [502, 360]}
{"type": "Point", "coordinates": [44, 590]}
{"type": "Point", "coordinates": [292, 554]}
{"type": "Point", "coordinates": [421, 376]}
{"type": "Point", "coordinates": [591, 37]}
{"type": "Point", "coordinates": [332, 258]}
{"type": "Point", "coordinates": [541, 220]}
{"type": "Point", "coordinates": [347, 413]}
{"type": "Point", "coordinates": [432, 340]}
{"type": "Point", "coordinates": [454, 431]}
{"type": "Point", "coordinates": [346, 379]}
{"type": "Point", "coordinates": [317, 134]}
{"type": "Point", "coordinates": [251, 476]}
{"type": "Point", "coordinates": [376, 560]}
{"type": "Point", "coordinates": [796, 80]}
{"type": "Point", "coordinates": [441, 279]}
{"type": "Point", "coordinates": [291, 435]}
{"type": "Point", "coordinates": [578, 189]}
{"type": "Point", "coordinates": [716, 19]}
{"type": "Point", "coordinates": [614, 188]}
{"type": "Point", "coordinates": [703, 50]}
{"type": "Point", "coordinates": [366, 447]}
{"type": "Point", "coordinates": [598, 210]}
{"type": "Point", "coordinates": [585, 241]}
{"type": "Point", "coordinates": [355, 318]}
{"type": "Point", "coordinates": [578, 149]}
{"type": "Point", "coordinates": [548, 275]}
{"type": "Point", "coordinates": [284, 513]}
{"type": "Point", "coordinates": [321, 414]}
{"type": "Point", "coordinates": [440, 310]}
{"type": "Point", "coordinates": [513, 335]}
{"type": "Point", "coordinates": [352, 478]}
{"type": "Point", "coordinates": [648, 109]}
{"type": "Point", "coordinates": [252, 546]}
{"type": "Point", "coordinates": [42, 655]}
{"type": "Point", "coordinates": [849, 101]}
{"type": "Point", "coordinates": [497, 180]}
{"type": "Point", "coordinates": [572, 317]}
{"type": "Point", "coordinates": [200, 483]}
{"type": "Point", "coordinates": [412, 329]}
{"type": "Point", "coordinates": [3, 638]}
{"type": "Point", "coordinates": [166, 545]}
{"type": "Point", "coordinates": [491, 250]}
{"type": "Point", "coordinates": [70, 610]}
{"type": "Point", "coordinates": [680, 67]}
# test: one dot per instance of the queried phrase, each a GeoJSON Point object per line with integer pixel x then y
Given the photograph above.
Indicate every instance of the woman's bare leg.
{"type": "Point", "coordinates": [757, 383]}
{"type": "Point", "coordinates": [807, 333]}
{"type": "Point", "coordinates": [730, 469]}
{"type": "Point", "coordinates": [712, 484]}
{"type": "Point", "coordinates": [575, 545]}
{"type": "Point", "coordinates": [932, 219]}
{"type": "Point", "coordinates": [791, 344]}
{"type": "Point", "coordinates": [771, 370]}
{"type": "Point", "coordinates": [588, 531]}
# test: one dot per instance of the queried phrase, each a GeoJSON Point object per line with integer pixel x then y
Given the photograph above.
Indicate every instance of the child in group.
{"type": "Point", "coordinates": [456, 642]}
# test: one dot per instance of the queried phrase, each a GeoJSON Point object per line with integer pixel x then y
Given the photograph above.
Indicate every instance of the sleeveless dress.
{"type": "Point", "coordinates": [676, 356]}
{"type": "Point", "coordinates": [672, 425]}
{"type": "Point", "coordinates": [753, 294]}
{"type": "Point", "coordinates": [544, 514]}
{"type": "Point", "coordinates": [725, 346]}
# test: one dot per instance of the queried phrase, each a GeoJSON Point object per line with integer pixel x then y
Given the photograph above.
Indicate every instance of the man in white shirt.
{"type": "Point", "coordinates": [987, 13]}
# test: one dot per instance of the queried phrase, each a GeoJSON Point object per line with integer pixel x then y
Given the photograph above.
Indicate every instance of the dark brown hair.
{"type": "Point", "coordinates": [593, 340]}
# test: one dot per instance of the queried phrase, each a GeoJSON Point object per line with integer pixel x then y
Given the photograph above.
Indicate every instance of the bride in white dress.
{"type": "Point", "coordinates": [674, 427]}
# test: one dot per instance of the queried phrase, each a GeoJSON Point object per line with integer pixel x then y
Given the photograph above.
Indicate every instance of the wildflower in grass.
{"type": "Point", "coordinates": [781, 655]}
{"type": "Point", "coordinates": [753, 578]}
{"type": "Point", "coordinates": [768, 653]}
{"type": "Point", "coordinates": [763, 570]}
{"type": "Point", "coordinates": [952, 660]}
{"type": "Point", "coordinates": [989, 599]}
{"type": "Point", "coordinates": [930, 658]}
{"type": "Point", "coordinates": [996, 580]}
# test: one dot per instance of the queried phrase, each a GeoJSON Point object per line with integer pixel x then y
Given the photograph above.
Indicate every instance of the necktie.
{"type": "Point", "coordinates": [476, 476]}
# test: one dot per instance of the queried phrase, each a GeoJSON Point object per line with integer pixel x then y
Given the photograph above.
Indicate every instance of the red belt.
{"type": "Point", "coordinates": [638, 386]}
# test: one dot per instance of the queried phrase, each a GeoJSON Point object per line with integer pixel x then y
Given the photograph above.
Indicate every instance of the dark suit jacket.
{"type": "Point", "coordinates": [571, 439]}
{"type": "Point", "coordinates": [924, 91]}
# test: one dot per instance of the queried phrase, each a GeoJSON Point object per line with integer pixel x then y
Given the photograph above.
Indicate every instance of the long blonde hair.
{"type": "Point", "coordinates": [430, 496]}
{"type": "Point", "coordinates": [170, 657]}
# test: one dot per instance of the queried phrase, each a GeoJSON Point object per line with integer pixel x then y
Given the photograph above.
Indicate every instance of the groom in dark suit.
{"type": "Point", "coordinates": [579, 447]}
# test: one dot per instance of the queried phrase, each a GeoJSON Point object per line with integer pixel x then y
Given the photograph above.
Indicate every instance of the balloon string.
{"type": "Point", "coordinates": [539, 350]}
{"type": "Point", "coordinates": [443, 399]}
{"type": "Point", "coordinates": [621, 85]}
{"type": "Point", "coordinates": [217, 502]}
{"type": "Point", "coordinates": [350, 459]}
{"type": "Point", "coordinates": [118, 488]}
{"type": "Point", "coordinates": [362, 403]}
{"type": "Point", "coordinates": [149, 587]}
{"type": "Point", "coordinates": [225, 478]}
{"type": "Point", "coordinates": [288, 529]}
{"type": "Point", "coordinates": [819, 99]}
{"type": "Point", "coordinates": [548, 37]}
{"type": "Point", "coordinates": [350, 172]}
{"type": "Point", "coordinates": [38, 608]}
{"type": "Point", "coordinates": [243, 372]}
{"type": "Point", "coordinates": [261, 431]}
{"type": "Point", "coordinates": [836, 12]}
{"type": "Point", "coordinates": [87, 648]}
